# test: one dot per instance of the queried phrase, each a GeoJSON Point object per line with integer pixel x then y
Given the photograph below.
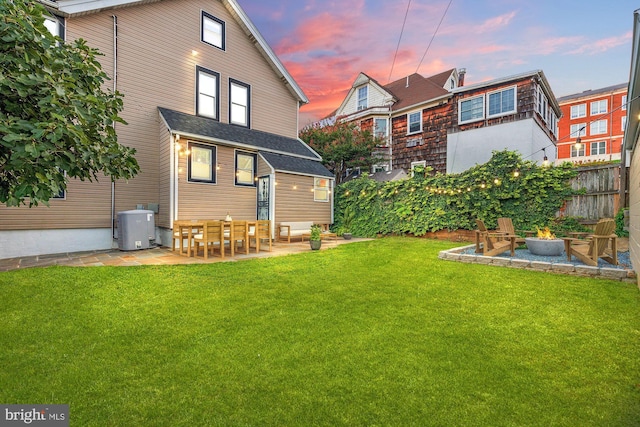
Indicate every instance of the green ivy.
{"type": "Point", "coordinates": [506, 186]}
{"type": "Point", "coordinates": [620, 231]}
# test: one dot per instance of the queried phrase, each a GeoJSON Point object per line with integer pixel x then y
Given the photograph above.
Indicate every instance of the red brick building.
{"type": "Point", "coordinates": [598, 117]}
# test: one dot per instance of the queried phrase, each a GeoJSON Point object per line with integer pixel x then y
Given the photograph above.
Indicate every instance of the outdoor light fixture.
{"type": "Point", "coordinates": [578, 144]}
{"type": "Point", "coordinates": [545, 159]}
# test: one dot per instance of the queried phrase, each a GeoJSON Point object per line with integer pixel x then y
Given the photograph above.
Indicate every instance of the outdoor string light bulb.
{"type": "Point", "coordinates": [578, 144]}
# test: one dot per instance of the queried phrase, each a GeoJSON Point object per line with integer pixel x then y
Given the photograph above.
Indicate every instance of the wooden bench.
{"type": "Point", "coordinates": [293, 229]}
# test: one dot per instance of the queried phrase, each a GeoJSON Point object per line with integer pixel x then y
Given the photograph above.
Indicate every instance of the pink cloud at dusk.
{"type": "Point", "coordinates": [326, 44]}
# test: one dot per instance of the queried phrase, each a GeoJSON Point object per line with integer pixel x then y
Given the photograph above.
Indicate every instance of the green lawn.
{"type": "Point", "coordinates": [378, 333]}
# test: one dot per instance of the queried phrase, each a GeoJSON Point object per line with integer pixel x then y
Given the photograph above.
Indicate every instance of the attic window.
{"type": "Point", "coordinates": [212, 31]}
{"type": "Point", "coordinates": [363, 97]}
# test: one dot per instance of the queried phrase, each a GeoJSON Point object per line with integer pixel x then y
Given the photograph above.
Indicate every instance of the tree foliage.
{"type": "Point", "coordinates": [343, 146]}
{"type": "Point", "coordinates": [506, 186]}
{"type": "Point", "coordinates": [55, 117]}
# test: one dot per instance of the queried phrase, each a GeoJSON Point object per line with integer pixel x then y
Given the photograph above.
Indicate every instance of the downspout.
{"type": "Point", "coordinates": [115, 88]}
{"type": "Point", "coordinates": [390, 139]}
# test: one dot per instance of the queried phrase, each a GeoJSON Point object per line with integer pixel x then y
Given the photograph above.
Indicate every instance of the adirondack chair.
{"type": "Point", "coordinates": [595, 246]}
{"type": "Point", "coordinates": [493, 242]}
{"type": "Point", "coordinates": [506, 225]}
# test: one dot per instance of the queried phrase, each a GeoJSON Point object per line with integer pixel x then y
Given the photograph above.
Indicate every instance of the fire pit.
{"type": "Point", "coordinates": [545, 244]}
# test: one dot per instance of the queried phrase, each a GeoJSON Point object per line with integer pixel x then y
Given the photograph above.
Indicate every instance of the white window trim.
{"type": "Point", "coordinates": [422, 163]}
{"type": "Point", "coordinates": [386, 121]}
{"type": "Point", "coordinates": [624, 102]}
{"type": "Point", "coordinates": [578, 116]}
{"type": "Point", "coordinates": [597, 113]}
{"type": "Point", "coordinates": [598, 145]}
{"type": "Point", "coordinates": [606, 127]}
{"type": "Point", "coordinates": [504, 113]}
{"type": "Point", "coordinates": [366, 100]}
{"type": "Point", "coordinates": [477, 119]}
{"type": "Point", "coordinates": [577, 152]}
{"type": "Point", "coordinates": [409, 122]}
{"type": "Point", "coordinates": [582, 130]}
{"type": "Point", "coordinates": [316, 188]}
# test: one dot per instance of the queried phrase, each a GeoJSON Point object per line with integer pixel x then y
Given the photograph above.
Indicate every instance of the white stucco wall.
{"type": "Point", "coordinates": [471, 147]}
{"type": "Point", "coordinates": [20, 243]}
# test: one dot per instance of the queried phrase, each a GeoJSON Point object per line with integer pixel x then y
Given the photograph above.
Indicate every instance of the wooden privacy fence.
{"type": "Point", "coordinates": [602, 193]}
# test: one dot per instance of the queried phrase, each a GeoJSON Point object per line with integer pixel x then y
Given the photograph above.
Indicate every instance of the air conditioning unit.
{"type": "Point", "coordinates": [136, 230]}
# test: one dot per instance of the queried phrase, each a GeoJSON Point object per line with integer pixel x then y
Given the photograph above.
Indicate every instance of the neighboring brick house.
{"type": "Point", "coordinates": [211, 111]}
{"type": "Point", "coordinates": [598, 117]}
{"type": "Point", "coordinates": [438, 122]}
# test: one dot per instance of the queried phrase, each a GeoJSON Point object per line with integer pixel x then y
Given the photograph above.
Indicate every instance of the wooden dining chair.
{"type": "Point", "coordinates": [261, 232]}
{"type": "Point", "coordinates": [239, 234]}
{"type": "Point", "coordinates": [212, 233]}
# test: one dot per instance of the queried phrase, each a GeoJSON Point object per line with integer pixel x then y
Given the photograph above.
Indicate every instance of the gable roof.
{"type": "Point", "coordinates": [209, 129]}
{"type": "Point", "coordinates": [416, 89]}
{"type": "Point", "coordinates": [82, 7]}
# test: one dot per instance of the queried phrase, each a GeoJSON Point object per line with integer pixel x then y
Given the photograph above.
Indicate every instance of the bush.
{"type": "Point", "coordinates": [620, 231]}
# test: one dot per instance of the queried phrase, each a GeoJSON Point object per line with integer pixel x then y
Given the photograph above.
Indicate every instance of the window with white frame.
{"type": "Point", "coordinates": [239, 103]}
{"type": "Point", "coordinates": [624, 102]}
{"type": "Point", "coordinates": [202, 160]}
{"type": "Point", "coordinates": [578, 111]}
{"type": "Point", "coordinates": [577, 130]}
{"type": "Point", "coordinates": [502, 102]}
{"type": "Point", "coordinates": [245, 169]}
{"type": "Point", "coordinates": [577, 152]}
{"type": "Point", "coordinates": [471, 109]}
{"type": "Point", "coordinates": [420, 164]}
{"type": "Point", "coordinates": [55, 25]}
{"type": "Point", "coordinates": [380, 128]}
{"type": "Point", "coordinates": [321, 189]}
{"type": "Point", "coordinates": [363, 97]}
{"type": "Point", "coordinates": [623, 122]}
{"type": "Point", "coordinates": [599, 107]}
{"type": "Point", "coordinates": [414, 122]}
{"type": "Point", "coordinates": [599, 147]}
{"type": "Point", "coordinates": [207, 89]}
{"type": "Point", "coordinates": [598, 127]}
{"type": "Point", "coordinates": [212, 31]}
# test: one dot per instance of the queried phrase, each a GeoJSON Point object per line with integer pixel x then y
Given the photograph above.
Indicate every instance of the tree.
{"type": "Point", "coordinates": [56, 120]}
{"type": "Point", "coordinates": [343, 146]}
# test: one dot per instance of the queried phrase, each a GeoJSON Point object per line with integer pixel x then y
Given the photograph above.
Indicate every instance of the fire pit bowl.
{"type": "Point", "coordinates": [545, 247]}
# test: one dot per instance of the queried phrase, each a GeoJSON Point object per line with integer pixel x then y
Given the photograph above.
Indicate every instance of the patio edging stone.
{"type": "Point", "coordinates": [456, 254]}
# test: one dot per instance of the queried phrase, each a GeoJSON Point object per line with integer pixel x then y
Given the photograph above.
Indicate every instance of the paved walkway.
{"type": "Point", "coordinates": [154, 256]}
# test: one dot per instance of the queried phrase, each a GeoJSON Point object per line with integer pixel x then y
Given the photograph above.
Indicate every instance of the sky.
{"type": "Point", "coordinates": [324, 44]}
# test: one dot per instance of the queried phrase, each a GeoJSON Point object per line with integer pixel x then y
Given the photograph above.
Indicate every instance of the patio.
{"type": "Point", "coordinates": [153, 256]}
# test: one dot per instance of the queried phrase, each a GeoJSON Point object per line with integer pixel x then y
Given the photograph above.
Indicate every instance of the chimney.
{"type": "Point", "coordinates": [461, 73]}
{"type": "Point", "coordinates": [407, 82]}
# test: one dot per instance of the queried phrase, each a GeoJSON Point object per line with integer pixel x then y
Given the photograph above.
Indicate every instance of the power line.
{"type": "Point", "coordinates": [434, 35]}
{"type": "Point", "coordinates": [399, 39]}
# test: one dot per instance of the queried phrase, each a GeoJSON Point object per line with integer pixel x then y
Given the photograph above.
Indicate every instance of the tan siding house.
{"type": "Point", "coordinates": [202, 89]}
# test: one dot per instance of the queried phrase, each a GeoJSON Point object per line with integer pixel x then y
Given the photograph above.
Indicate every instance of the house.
{"type": "Point", "coordinates": [630, 145]}
{"type": "Point", "coordinates": [596, 117]}
{"type": "Point", "coordinates": [439, 122]}
{"type": "Point", "coordinates": [212, 113]}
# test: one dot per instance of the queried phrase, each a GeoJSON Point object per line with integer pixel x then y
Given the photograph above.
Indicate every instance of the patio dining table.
{"type": "Point", "coordinates": [191, 227]}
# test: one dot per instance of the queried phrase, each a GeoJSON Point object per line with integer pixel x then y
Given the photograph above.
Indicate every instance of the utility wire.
{"type": "Point", "coordinates": [399, 39]}
{"type": "Point", "coordinates": [434, 35]}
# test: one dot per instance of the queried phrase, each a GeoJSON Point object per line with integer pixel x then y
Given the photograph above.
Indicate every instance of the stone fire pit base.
{"type": "Point", "coordinates": [545, 247]}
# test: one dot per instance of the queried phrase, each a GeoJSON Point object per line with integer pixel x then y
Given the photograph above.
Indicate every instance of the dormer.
{"type": "Point", "coordinates": [365, 94]}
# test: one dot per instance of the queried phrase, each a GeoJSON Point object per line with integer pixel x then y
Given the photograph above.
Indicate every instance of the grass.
{"type": "Point", "coordinates": [377, 333]}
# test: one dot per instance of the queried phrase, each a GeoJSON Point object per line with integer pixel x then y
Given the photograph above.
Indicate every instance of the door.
{"type": "Point", "coordinates": [263, 197]}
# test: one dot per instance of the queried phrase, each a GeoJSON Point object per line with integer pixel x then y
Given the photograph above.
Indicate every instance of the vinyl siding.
{"type": "Point", "coordinates": [155, 67]}
{"type": "Point", "coordinates": [298, 204]}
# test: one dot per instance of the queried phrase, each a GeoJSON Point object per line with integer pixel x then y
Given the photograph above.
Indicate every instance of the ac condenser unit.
{"type": "Point", "coordinates": [136, 230]}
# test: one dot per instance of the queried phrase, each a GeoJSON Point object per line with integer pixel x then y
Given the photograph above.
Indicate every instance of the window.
{"type": "Point", "coordinates": [202, 159]}
{"type": "Point", "coordinates": [599, 107]}
{"type": "Point", "coordinates": [421, 165]}
{"type": "Point", "coordinates": [623, 122]}
{"type": "Point", "coordinates": [62, 194]}
{"type": "Point", "coordinates": [502, 102]}
{"type": "Point", "coordinates": [212, 31]}
{"type": "Point", "coordinates": [321, 189]}
{"type": "Point", "coordinates": [55, 25]}
{"type": "Point", "coordinates": [598, 148]}
{"type": "Point", "coordinates": [577, 130]}
{"type": "Point", "coordinates": [624, 102]}
{"type": "Point", "coordinates": [471, 109]}
{"type": "Point", "coordinates": [578, 111]}
{"type": "Point", "coordinates": [598, 127]}
{"type": "Point", "coordinates": [239, 103]}
{"type": "Point", "coordinates": [363, 97]}
{"type": "Point", "coordinates": [414, 122]}
{"type": "Point", "coordinates": [575, 152]}
{"type": "Point", "coordinates": [380, 128]}
{"type": "Point", "coordinates": [207, 88]}
{"type": "Point", "coordinates": [245, 169]}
